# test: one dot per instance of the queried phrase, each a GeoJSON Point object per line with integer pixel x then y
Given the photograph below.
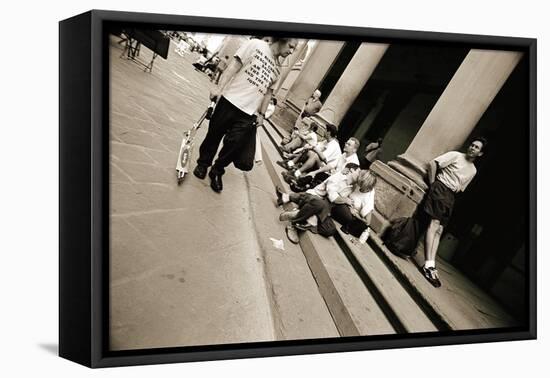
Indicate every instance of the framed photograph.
{"type": "Point", "coordinates": [235, 188]}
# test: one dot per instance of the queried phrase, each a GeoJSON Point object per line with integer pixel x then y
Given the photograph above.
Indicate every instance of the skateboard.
{"type": "Point", "coordinates": [187, 144]}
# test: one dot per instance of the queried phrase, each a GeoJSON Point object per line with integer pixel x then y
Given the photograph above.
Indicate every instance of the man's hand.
{"type": "Point", "coordinates": [215, 94]}
{"type": "Point", "coordinates": [348, 202]}
{"type": "Point", "coordinates": [259, 120]}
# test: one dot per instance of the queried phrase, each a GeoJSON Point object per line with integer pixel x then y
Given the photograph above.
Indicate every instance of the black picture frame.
{"type": "Point", "coordinates": [84, 191]}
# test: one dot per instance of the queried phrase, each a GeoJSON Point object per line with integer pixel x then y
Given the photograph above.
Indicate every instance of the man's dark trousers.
{"type": "Point", "coordinates": [309, 205]}
{"type": "Point", "coordinates": [234, 124]}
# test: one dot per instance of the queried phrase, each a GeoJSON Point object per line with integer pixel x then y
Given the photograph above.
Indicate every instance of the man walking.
{"type": "Point", "coordinates": [243, 96]}
{"type": "Point", "coordinates": [448, 175]}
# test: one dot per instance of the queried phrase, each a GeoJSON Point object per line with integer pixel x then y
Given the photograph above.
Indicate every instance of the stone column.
{"type": "Point", "coordinates": [352, 81]}
{"type": "Point", "coordinates": [467, 96]}
{"type": "Point", "coordinates": [317, 65]}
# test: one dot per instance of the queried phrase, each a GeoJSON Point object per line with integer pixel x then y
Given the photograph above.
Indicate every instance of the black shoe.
{"type": "Point", "coordinates": [215, 182]}
{"type": "Point", "coordinates": [288, 177]}
{"type": "Point", "coordinates": [432, 276]}
{"type": "Point", "coordinates": [282, 163]}
{"type": "Point", "coordinates": [279, 193]}
{"type": "Point", "coordinates": [200, 171]}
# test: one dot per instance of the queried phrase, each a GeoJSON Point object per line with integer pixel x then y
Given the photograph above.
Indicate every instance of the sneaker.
{"type": "Point", "coordinates": [279, 194]}
{"type": "Point", "coordinates": [288, 215]}
{"type": "Point", "coordinates": [288, 177]}
{"type": "Point", "coordinates": [306, 227]}
{"type": "Point", "coordinates": [282, 163]}
{"type": "Point", "coordinates": [292, 234]}
{"type": "Point", "coordinates": [432, 276]}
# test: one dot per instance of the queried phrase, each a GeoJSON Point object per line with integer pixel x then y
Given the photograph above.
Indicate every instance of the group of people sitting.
{"type": "Point", "coordinates": [327, 183]}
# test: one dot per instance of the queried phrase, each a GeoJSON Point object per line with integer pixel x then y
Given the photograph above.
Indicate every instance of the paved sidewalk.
{"type": "Point", "coordinates": [186, 267]}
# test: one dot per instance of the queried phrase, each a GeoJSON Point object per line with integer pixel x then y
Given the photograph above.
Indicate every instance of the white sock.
{"type": "Point", "coordinates": [290, 164]}
{"type": "Point", "coordinates": [285, 197]}
{"type": "Point", "coordinates": [312, 220]}
{"type": "Point", "coordinates": [429, 264]}
{"type": "Point", "coordinates": [297, 173]}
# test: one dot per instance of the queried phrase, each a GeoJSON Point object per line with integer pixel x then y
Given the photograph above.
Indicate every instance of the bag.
{"type": "Point", "coordinates": [403, 235]}
{"type": "Point", "coordinates": [244, 160]}
{"type": "Point", "coordinates": [326, 228]}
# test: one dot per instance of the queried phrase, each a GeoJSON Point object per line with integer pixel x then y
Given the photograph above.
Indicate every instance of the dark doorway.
{"type": "Point", "coordinates": [399, 95]}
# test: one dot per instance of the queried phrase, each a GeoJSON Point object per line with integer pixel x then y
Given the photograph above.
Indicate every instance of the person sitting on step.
{"type": "Point", "coordinates": [306, 138]}
{"type": "Point", "coordinates": [315, 204]}
{"type": "Point", "coordinates": [355, 214]}
{"type": "Point", "coordinates": [312, 178]}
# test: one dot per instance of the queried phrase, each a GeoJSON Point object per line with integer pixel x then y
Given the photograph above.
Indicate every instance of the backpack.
{"type": "Point", "coordinates": [326, 228]}
{"type": "Point", "coordinates": [403, 235]}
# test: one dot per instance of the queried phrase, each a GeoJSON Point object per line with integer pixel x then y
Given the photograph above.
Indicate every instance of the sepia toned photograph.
{"type": "Point", "coordinates": [272, 188]}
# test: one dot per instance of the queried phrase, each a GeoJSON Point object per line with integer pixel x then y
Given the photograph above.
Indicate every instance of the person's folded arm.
{"type": "Point", "coordinates": [432, 170]}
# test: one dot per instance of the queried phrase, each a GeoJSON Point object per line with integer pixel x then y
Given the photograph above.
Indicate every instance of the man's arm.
{"type": "Point", "coordinates": [432, 171]}
{"type": "Point", "coordinates": [324, 168]}
{"type": "Point", "coordinates": [333, 194]}
{"type": "Point", "coordinates": [366, 218]}
{"type": "Point", "coordinates": [263, 107]}
{"type": "Point", "coordinates": [339, 200]}
{"type": "Point", "coordinates": [230, 72]}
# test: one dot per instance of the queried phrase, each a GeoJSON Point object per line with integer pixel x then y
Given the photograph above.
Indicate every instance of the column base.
{"type": "Point", "coordinates": [412, 169]}
{"type": "Point", "coordinates": [285, 115]}
{"type": "Point", "coordinates": [396, 196]}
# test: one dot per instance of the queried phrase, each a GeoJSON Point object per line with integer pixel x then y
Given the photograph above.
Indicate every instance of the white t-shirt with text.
{"type": "Point", "coordinates": [259, 73]}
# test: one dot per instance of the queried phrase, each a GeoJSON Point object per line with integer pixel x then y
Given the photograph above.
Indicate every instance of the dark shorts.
{"type": "Point", "coordinates": [439, 202]}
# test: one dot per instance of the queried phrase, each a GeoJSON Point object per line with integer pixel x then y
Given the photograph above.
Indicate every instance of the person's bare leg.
{"type": "Point", "coordinates": [435, 243]}
{"type": "Point", "coordinates": [312, 160]}
{"type": "Point", "coordinates": [433, 235]}
{"type": "Point", "coordinates": [432, 240]}
{"type": "Point", "coordinates": [292, 145]}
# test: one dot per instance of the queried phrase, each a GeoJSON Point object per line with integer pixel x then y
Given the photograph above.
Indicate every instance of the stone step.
{"type": "Point", "coordinates": [354, 310]}
{"type": "Point", "coordinates": [400, 307]}
{"type": "Point", "coordinates": [457, 305]}
{"type": "Point", "coordinates": [270, 156]}
{"type": "Point", "coordinates": [297, 308]}
{"type": "Point", "coordinates": [278, 130]}
{"type": "Point", "coordinates": [352, 306]}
